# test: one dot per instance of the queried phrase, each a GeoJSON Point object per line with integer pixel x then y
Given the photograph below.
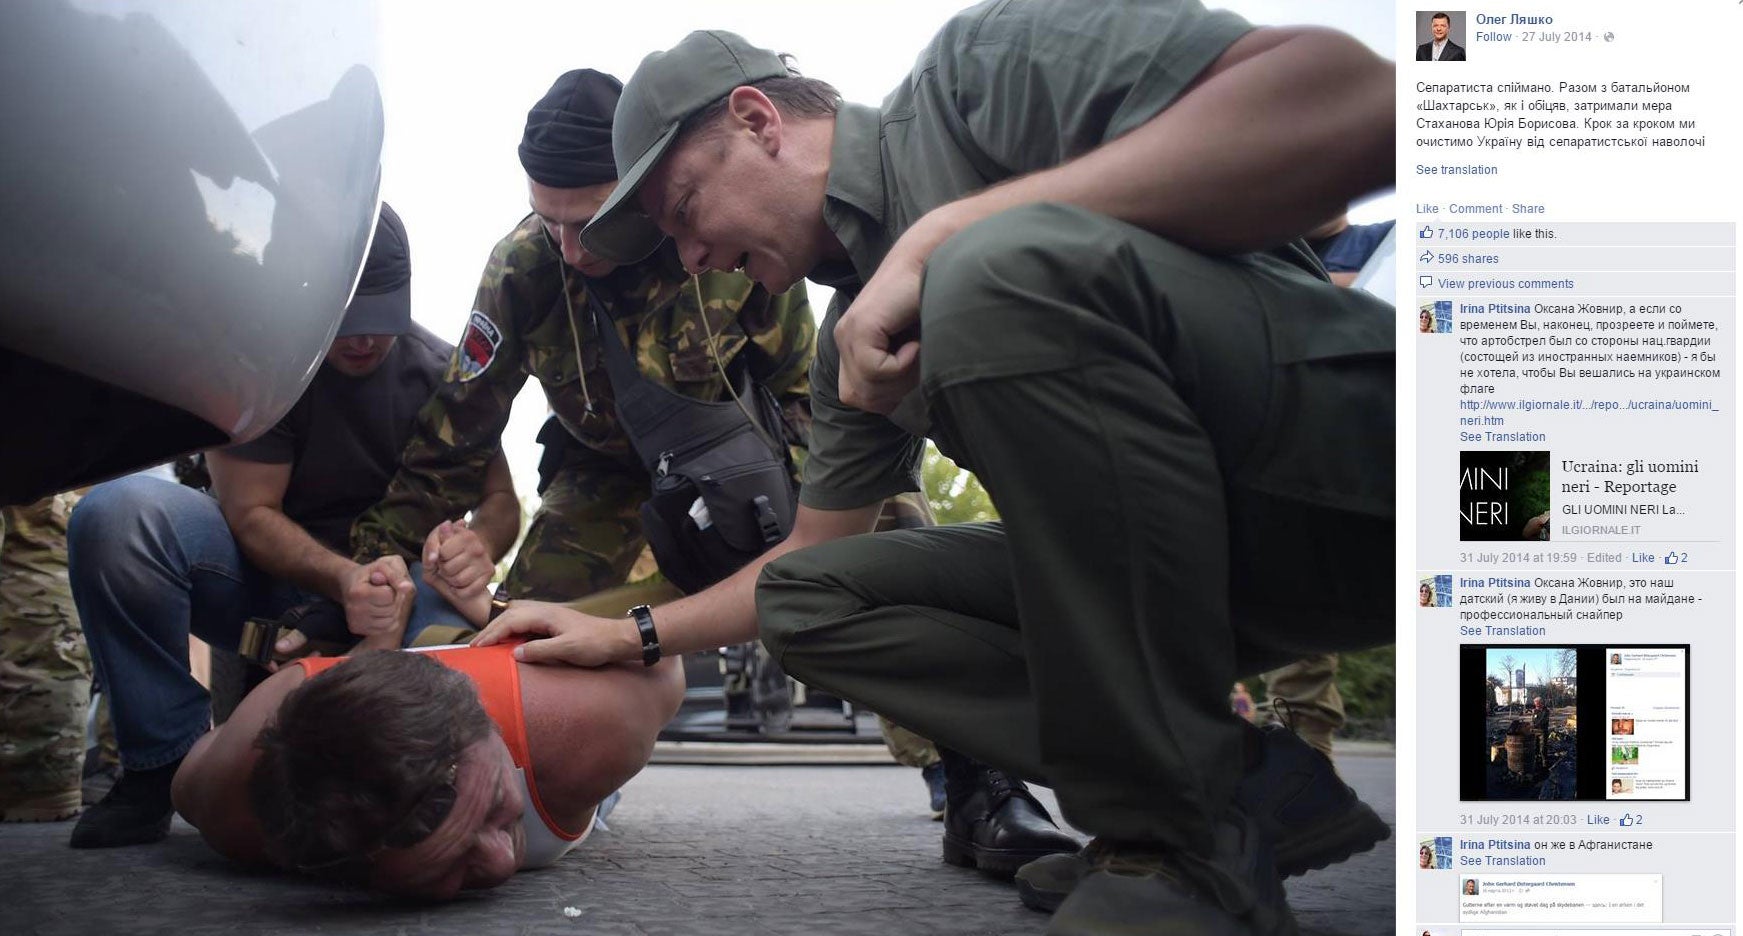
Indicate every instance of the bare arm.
{"type": "Point", "coordinates": [496, 519]}
{"type": "Point", "coordinates": [377, 597]}
{"type": "Point", "coordinates": [721, 615]}
{"type": "Point", "coordinates": [591, 730]}
{"type": "Point", "coordinates": [211, 786]}
{"type": "Point", "coordinates": [461, 558]}
{"type": "Point", "coordinates": [251, 495]}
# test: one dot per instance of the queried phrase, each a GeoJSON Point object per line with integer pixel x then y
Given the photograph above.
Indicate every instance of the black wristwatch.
{"type": "Point", "coordinates": [498, 604]}
{"type": "Point", "coordinates": [644, 622]}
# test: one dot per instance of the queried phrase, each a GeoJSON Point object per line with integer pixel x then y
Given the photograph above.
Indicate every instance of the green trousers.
{"type": "Point", "coordinates": [1193, 460]}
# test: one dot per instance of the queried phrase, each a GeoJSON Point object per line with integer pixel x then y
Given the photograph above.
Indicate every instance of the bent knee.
{"type": "Point", "coordinates": [108, 512]}
{"type": "Point", "coordinates": [792, 593]}
{"type": "Point", "coordinates": [1014, 249]}
{"type": "Point", "coordinates": [1011, 275]}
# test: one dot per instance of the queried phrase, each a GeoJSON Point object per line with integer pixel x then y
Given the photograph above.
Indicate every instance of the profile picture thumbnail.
{"type": "Point", "coordinates": [1441, 34]}
{"type": "Point", "coordinates": [1434, 317]}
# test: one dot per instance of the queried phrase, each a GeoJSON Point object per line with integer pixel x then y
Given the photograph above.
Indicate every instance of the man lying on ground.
{"type": "Point", "coordinates": [422, 773]}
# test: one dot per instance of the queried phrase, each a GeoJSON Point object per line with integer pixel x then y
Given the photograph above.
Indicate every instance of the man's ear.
{"type": "Point", "coordinates": [752, 111]}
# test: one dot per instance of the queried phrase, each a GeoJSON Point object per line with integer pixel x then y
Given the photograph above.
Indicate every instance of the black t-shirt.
{"type": "Point", "coordinates": [344, 436]}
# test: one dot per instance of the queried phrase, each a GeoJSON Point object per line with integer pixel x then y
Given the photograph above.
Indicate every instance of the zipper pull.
{"type": "Point", "coordinates": [664, 465]}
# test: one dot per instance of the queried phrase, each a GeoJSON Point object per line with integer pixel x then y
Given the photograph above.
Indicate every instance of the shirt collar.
{"type": "Point", "coordinates": [856, 162]}
{"type": "Point", "coordinates": [853, 205]}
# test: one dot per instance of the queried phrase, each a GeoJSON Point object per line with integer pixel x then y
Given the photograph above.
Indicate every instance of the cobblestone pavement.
{"type": "Point", "coordinates": [693, 850]}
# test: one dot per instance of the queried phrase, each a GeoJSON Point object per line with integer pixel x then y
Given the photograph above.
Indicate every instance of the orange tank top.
{"type": "Point", "coordinates": [497, 677]}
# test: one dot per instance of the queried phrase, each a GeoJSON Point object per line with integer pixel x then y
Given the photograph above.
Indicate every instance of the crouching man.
{"type": "Point", "coordinates": [422, 774]}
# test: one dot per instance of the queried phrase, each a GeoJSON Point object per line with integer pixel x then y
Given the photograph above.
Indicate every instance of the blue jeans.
{"type": "Point", "coordinates": [152, 561]}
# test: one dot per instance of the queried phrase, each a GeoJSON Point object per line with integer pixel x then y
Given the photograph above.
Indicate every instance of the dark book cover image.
{"type": "Point", "coordinates": [1503, 496]}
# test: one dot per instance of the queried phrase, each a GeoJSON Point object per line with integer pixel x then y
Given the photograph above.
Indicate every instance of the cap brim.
{"type": "Point", "coordinates": [620, 231]}
{"type": "Point", "coordinates": [388, 313]}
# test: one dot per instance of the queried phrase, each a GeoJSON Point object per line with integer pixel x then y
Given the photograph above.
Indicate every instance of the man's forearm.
{"type": "Point", "coordinates": [1292, 129]}
{"type": "Point", "coordinates": [719, 616]}
{"type": "Point", "coordinates": [283, 549]}
{"type": "Point", "coordinates": [727, 613]}
{"type": "Point", "coordinates": [496, 520]}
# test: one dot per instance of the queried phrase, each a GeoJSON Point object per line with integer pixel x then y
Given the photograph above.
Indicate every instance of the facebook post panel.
{"type": "Point", "coordinates": [1571, 228]}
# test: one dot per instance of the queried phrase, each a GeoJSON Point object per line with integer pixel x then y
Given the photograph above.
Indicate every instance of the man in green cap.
{"type": "Point", "coordinates": [532, 318]}
{"type": "Point", "coordinates": [1066, 249]}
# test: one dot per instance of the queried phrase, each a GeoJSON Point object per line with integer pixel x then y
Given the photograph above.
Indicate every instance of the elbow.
{"type": "Point", "coordinates": [1368, 86]}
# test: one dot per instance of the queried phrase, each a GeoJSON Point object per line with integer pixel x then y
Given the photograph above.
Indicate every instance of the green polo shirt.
{"type": "Point", "coordinates": [1006, 88]}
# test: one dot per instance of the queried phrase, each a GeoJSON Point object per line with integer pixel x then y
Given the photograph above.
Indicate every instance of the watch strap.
{"type": "Point", "coordinates": [644, 624]}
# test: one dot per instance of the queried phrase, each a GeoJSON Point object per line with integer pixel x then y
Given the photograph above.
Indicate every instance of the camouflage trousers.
{"type": "Point", "coordinates": [1304, 695]}
{"type": "Point", "coordinates": [45, 670]}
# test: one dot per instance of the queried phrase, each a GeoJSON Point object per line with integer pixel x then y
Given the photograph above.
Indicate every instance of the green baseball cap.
{"type": "Point", "coordinates": [666, 88]}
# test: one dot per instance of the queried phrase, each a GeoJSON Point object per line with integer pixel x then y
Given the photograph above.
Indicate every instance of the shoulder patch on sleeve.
{"type": "Point", "coordinates": [478, 346]}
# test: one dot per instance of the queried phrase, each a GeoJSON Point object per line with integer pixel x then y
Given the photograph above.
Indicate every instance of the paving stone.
{"type": "Point", "coordinates": [693, 850]}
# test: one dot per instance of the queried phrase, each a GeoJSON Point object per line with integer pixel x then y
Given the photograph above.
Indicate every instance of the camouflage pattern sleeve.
{"type": "Point", "coordinates": [458, 432]}
{"type": "Point", "coordinates": [789, 347]}
{"type": "Point", "coordinates": [786, 336]}
{"type": "Point", "coordinates": [587, 532]}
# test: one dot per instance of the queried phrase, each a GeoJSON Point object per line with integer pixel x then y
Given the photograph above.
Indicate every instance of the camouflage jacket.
{"type": "Point", "coordinates": [520, 327]}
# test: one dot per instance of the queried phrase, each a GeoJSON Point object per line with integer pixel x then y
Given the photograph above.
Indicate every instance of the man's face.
{"type": "Point", "coordinates": [1438, 26]}
{"type": "Point", "coordinates": [359, 355]}
{"type": "Point", "coordinates": [479, 845]}
{"type": "Point", "coordinates": [730, 202]}
{"type": "Point", "coordinates": [565, 211]}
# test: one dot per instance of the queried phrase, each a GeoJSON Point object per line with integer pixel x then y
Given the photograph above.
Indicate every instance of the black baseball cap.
{"type": "Point", "coordinates": [666, 88]}
{"type": "Point", "coordinates": [382, 304]}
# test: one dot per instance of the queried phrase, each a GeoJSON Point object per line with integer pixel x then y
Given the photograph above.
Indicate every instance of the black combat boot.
{"type": "Point", "coordinates": [1309, 817]}
{"type": "Point", "coordinates": [992, 821]}
{"type": "Point", "coordinates": [137, 811]}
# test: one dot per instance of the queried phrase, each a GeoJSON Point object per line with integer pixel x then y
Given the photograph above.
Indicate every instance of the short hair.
{"type": "Point", "coordinates": [793, 94]}
{"type": "Point", "coordinates": [363, 757]}
{"type": "Point", "coordinates": [1441, 16]}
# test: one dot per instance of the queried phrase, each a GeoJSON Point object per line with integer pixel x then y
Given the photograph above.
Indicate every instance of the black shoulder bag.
{"type": "Point", "coordinates": [723, 489]}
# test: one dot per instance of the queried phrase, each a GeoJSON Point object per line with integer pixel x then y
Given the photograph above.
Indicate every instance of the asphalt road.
{"type": "Point", "coordinates": [692, 849]}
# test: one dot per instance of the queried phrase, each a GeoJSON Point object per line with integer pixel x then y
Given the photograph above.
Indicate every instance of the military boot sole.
{"type": "Point", "coordinates": [1351, 831]}
{"type": "Point", "coordinates": [999, 862]}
